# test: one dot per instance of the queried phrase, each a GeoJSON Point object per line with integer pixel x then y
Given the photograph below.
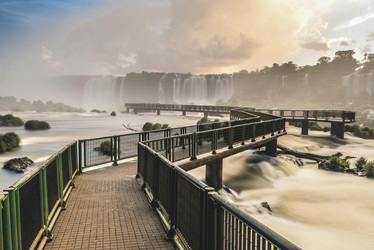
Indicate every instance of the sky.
{"type": "Point", "coordinates": [104, 37]}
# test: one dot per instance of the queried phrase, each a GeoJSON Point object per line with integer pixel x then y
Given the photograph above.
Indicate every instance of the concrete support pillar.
{"type": "Point", "coordinates": [271, 148]}
{"type": "Point", "coordinates": [340, 130]}
{"type": "Point", "coordinates": [184, 113]}
{"type": "Point", "coordinates": [205, 114]}
{"type": "Point", "coordinates": [213, 174]}
{"type": "Point", "coordinates": [158, 112]}
{"type": "Point", "coordinates": [135, 111]}
{"type": "Point", "coordinates": [333, 128]}
{"type": "Point", "coordinates": [127, 110]}
{"type": "Point", "coordinates": [304, 127]}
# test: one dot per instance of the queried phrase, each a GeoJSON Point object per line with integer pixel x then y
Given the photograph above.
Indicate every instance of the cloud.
{"type": "Point", "coordinates": [370, 37]}
{"type": "Point", "coordinates": [343, 43]}
{"type": "Point", "coordinates": [47, 56]}
{"type": "Point", "coordinates": [355, 21]}
{"type": "Point", "coordinates": [366, 49]}
{"type": "Point", "coordinates": [316, 46]}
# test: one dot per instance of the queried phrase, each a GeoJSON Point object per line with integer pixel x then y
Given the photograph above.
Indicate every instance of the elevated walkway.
{"type": "Point", "coordinates": [108, 210]}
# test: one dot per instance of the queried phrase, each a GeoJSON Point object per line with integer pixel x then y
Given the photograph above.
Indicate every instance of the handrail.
{"type": "Point", "coordinates": [203, 224]}
{"type": "Point", "coordinates": [32, 205]}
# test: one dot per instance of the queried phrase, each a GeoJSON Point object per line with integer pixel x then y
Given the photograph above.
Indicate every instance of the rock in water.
{"type": "Point", "coordinates": [18, 164]}
{"type": "Point", "coordinates": [267, 206]}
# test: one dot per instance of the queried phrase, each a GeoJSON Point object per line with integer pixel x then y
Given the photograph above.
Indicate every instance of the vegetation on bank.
{"type": "Point", "coordinates": [205, 120]}
{"type": "Point", "coordinates": [9, 141]}
{"type": "Point", "coordinates": [362, 164]}
{"type": "Point", "coordinates": [312, 126]}
{"type": "Point", "coordinates": [98, 111]}
{"type": "Point", "coordinates": [10, 121]}
{"type": "Point", "coordinates": [148, 126]}
{"type": "Point", "coordinates": [10, 103]}
{"type": "Point", "coordinates": [362, 132]}
{"type": "Point", "coordinates": [36, 125]}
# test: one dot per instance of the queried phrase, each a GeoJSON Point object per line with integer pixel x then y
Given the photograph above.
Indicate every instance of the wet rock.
{"type": "Point", "coordinates": [267, 206]}
{"type": "Point", "coordinates": [18, 164]}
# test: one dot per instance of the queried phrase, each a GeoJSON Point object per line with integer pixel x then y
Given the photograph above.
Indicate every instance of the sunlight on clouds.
{"type": "Point", "coordinates": [355, 21]}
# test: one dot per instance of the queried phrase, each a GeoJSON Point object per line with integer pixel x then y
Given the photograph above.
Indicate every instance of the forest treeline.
{"type": "Point", "coordinates": [10, 103]}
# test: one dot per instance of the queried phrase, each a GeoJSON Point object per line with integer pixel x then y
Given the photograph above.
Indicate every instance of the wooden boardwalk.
{"type": "Point", "coordinates": [107, 210]}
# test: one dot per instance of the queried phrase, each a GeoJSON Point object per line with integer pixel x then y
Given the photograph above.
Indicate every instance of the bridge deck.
{"type": "Point", "coordinates": [107, 210]}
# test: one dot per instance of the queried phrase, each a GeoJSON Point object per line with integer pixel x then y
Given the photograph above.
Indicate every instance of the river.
{"type": "Point", "coordinates": [67, 127]}
{"type": "Point", "coordinates": [315, 209]}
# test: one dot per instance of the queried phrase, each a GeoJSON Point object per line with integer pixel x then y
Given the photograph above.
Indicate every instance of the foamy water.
{"type": "Point", "coordinates": [313, 208]}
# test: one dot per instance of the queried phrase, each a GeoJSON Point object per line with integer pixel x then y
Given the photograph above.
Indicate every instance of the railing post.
{"type": "Point", "coordinates": [13, 217]}
{"type": "Point", "coordinates": [44, 201]}
{"type": "Point", "coordinates": [254, 132]}
{"type": "Point", "coordinates": [115, 149]}
{"type": "Point", "coordinates": [70, 162]}
{"type": "Point", "coordinates": [214, 141]}
{"type": "Point", "coordinates": [193, 146]}
{"type": "Point", "coordinates": [1, 223]}
{"type": "Point", "coordinates": [7, 224]}
{"type": "Point", "coordinates": [60, 183]}
{"type": "Point", "coordinates": [84, 154]}
{"type": "Point", "coordinates": [231, 136]}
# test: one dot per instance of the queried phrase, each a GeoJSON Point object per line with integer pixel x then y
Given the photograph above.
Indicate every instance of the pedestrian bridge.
{"type": "Point", "coordinates": [193, 215]}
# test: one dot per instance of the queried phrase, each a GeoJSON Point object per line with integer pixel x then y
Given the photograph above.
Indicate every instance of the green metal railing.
{"type": "Point", "coordinates": [194, 215]}
{"type": "Point", "coordinates": [30, 207]}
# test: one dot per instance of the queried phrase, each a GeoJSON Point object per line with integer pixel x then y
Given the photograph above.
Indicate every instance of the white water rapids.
{"type": "Point", "coordinates": [313, 208]}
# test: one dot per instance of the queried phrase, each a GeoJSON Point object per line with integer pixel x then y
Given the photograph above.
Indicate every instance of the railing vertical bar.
{"type": "Point", "coordinates": [18, 218]}
{"type": "Point", "coordinates": [8, 244]}
{"type": "Point", "coordinates": [13, 216]}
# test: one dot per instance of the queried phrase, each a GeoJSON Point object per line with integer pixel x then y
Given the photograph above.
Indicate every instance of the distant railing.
{"type": "Point", "coordinates": [30, 207]}
{"type": "Point", "coordinates": [180, 107]}
{"type": "Point", "coordinates": [345, 116]}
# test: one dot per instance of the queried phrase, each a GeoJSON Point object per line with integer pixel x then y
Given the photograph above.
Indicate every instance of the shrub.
{"type": "Point", "coordinates": [165, 126]}
{"type": "Point", "coordinates": [113, 114]}
{"type": "Point", "coordinates": [36, 125]}
{"type": "Point", "coordinates": [337, 164]}
{"type": "Point", "coordinates": [360, 163]}
{"type": "Point", "coordinates": [315, 126]}
{"type": "Point", "coordinates": [204, 120]}
{"type": "Point", "coordinates": [106, 148]}
{"type": "Point", "coordinates": [10, 120]}
{"type": "Point", "coordinates": [156, 126]}
{"type": "Point", "coordinates": [369, 169]}
{"type": "Point", "coordinates": [147, 126]}
{"type": "Point", "coordinates": [9, 141]}
{"type": "Point", "coordinates": [326, 129]}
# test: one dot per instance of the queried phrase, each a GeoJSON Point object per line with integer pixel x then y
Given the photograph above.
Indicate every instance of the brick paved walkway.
{"type": "Point", "coordinates": [107, 210]}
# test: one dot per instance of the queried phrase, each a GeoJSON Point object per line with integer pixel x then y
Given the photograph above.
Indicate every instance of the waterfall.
{"type": "Point", "coordinates": [357, 83]}
{"type": "Point", "coordinates": [284, 79]}
{"type": "Point", "coordinates": [197, 89]}
{"type": "Point", "coordinates": [369, 83]}
{"type": "Point", "coordinates": [161, 89]}
{"type": "Point", "coordinates": [103, 93]}
{"type": "Point", "coordinates": [306, 80]}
